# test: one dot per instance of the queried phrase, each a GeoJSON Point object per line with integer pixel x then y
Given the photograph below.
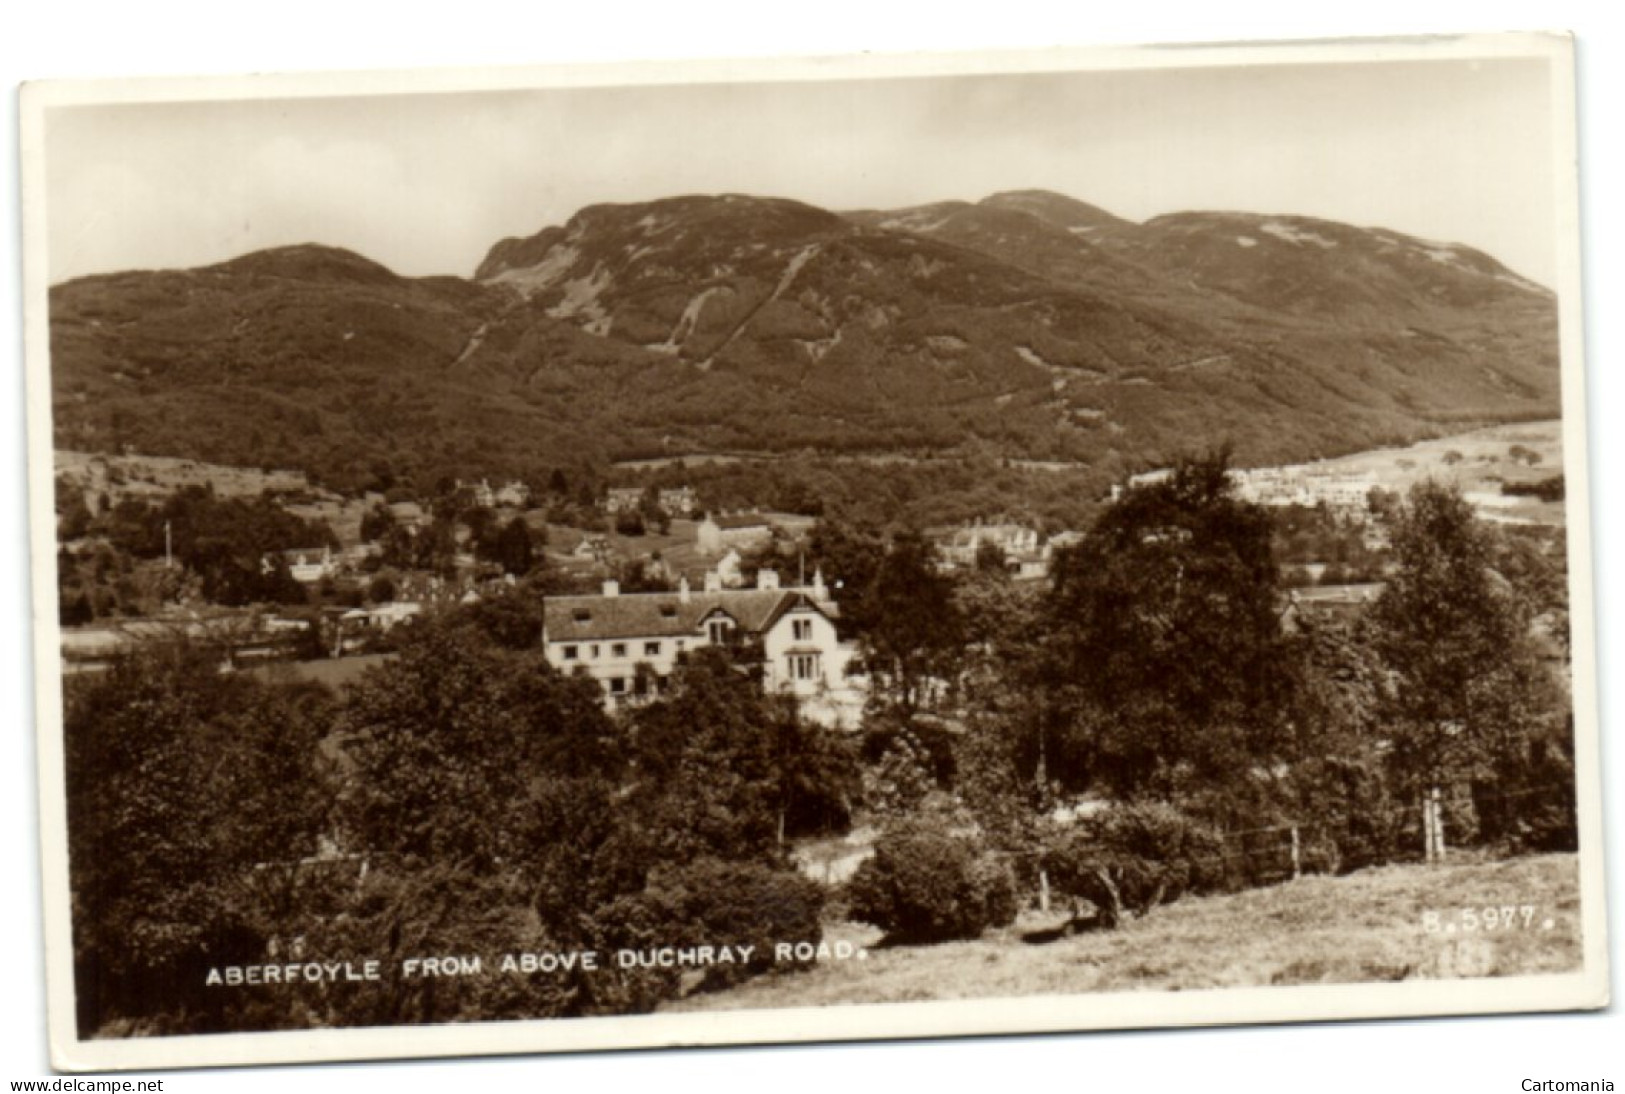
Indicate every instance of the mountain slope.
{"type": "Point", "coordinates": [1027, 326]}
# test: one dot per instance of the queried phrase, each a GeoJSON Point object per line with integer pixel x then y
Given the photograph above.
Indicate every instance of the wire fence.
{"type": "Point", "coordinates": [1423, 830]}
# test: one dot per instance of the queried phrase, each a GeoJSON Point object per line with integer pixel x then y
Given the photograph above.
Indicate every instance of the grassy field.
{"type": "Point", "coordinates": [1477, 462]}
{"type": "Point", "coordinates": [1368, 926]}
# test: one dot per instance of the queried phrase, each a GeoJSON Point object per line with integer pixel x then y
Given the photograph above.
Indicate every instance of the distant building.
{"type": "Point", "coordinates": [679, 501]}
{"type": "Point", "coordinates": [308, 565]}
{"type": "Point", "coordinates": [481, 492]}
{"type": "Point", "coordinates": [514, 495]}
{"type": "Point", "coordinates": [358, 626]}
{"type": "Point", "coordinates": [958, 547]}
{"type": "Point", "coordinates": [592, 547]}
{"type": "Point", "coordinates": [715, 534]}
{"type": "Point", "coordinates": [408, 515]}
{"type": "Point", "coordinates": [630, 643]}
{"type": "Point", "coordinates": [623, 499]}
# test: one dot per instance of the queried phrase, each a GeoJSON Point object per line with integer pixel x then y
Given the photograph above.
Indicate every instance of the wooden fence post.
{"type": "Point", "coordinates": [1427, 828]}
{"type": "Point", "coordinates": [1297, 869]}
{"type": "Point", "coordinates": [1438, 826]}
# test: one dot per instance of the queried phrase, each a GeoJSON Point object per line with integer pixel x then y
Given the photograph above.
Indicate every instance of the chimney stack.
{"type": "Point", "coordinates": [683, 596]}
{"type": "Point", "coordinates": [767, 579]}
{"type": "Point", "coordinates": [612, 587]}
{"type": "Point", "coordinates": [713, 581]}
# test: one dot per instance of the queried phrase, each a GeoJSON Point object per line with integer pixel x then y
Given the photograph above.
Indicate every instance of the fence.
{"type": "Point", "coordinates": [1414, 832]}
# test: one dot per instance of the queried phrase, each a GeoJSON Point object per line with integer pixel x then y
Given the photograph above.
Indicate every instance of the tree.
{"type": "Point", "coordinates": [189, 794]}
{"type": "Point", "coordinates": [514, 552]}
{"type": "Point", "coordinates": [915, 629]}
{"type": "Point", "coordinates": [849, 557]}
{"type": "Point", "coordinates": [377, 523]}
{"type": "Point", "coordinates": [1167, 639]}
{"type": "Point", "coordinates": [1472, 699]}
{"type": "Point", "coordinates": [447, 740]}
{"type": "Point", "coordinates": [733, 771]}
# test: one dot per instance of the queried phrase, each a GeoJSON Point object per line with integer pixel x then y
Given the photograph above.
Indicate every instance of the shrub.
{"type": "Point", "coordinates": [715, 902]}
{"type": "Point", "coordinates": [1357, 822]}
{"type": "Point", "coordinates": [1134, 857]}
{"type": "Point", "coordinates": [928, 886]}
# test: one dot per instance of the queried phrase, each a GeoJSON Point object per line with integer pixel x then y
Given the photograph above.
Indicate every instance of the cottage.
{"type": "Point", "coordinates": [630, 643]}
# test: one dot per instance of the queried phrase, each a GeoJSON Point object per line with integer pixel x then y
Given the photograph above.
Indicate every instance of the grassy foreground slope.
{"type": "Point", "coordinates": [1368, 926]}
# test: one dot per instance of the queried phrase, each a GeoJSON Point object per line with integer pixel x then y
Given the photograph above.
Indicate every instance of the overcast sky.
{"type": "Point", "coordinates": [1447, 150]}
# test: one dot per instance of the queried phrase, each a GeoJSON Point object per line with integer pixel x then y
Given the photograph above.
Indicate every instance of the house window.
{"type": "Point", "coordinates": [718, 630]}
{"type": "Point", "coordinates": [592, 651]}
{"type": "Point", "coordinates": [571, 653]}
{"type": "Point", "coordinates": [651, 649]}
{"type": "Point", "coordinates": [804, 666]}
{"type": "Point", "coordinates": [618, 649]}
{"type": "Point", "coordinates": [801, 629]}
{"type": "Point", "coordinates": [617, 685]}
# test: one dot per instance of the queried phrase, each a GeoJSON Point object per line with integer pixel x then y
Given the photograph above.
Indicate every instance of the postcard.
{"type": "Point", "coordinates": [808, 550]}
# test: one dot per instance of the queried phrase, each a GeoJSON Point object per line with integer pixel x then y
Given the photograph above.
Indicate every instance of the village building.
{"type": "Point", "coordinates": [513, 494]}
{"type": "Point", "coordinates": [960, 548]}
{"type": "Point", "coordinates": [679, 501]}
{"type": "Point", "coordinates": [307, 565]}
{"type": "Point", "coordinates": [623, 499]}
{"type": "Point", "coordinates": [630, 643]}
{"type": "Point", "coordinates": [715, 534]}
{"type": "Point", "coordinates": [408, 515]}
{"type": "Point", "coordinates": [481, 493]}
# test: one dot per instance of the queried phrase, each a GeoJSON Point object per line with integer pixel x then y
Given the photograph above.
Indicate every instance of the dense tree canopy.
{"type": "Point", "coordinates": [1167, 640]}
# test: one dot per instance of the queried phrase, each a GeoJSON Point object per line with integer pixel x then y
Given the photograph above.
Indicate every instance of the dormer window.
{"type": "Point", "coordinates": [582, 615]}
{"type": "Point", "coordinates": [718, 631]}
{"type": "Point", "coordinates": [801, 630]}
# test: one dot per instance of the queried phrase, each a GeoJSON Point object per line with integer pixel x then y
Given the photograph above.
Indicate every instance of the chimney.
{"type": "Point", "coordinates": [767, 579]}
{"type": "Point", "coordinates": [819, 590]}
{"type": "Point", "coordinates": [682, 590]}
{"type": "Point", "coordinates": [612, 587]}
{"type": "Point", "coordinates": [713, 581]}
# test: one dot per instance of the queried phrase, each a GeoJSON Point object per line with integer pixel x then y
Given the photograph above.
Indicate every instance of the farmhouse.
{"type": "Point", "coordinates": [630, 643]}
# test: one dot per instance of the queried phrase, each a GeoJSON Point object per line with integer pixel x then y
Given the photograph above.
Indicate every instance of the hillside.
{"type": "Point", "coordinates": [1027, 326]}
{"type": "Point", "coordinates": [1366, 927]}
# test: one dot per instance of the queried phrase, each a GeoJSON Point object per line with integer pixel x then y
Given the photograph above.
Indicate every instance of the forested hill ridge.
{"type": "Point", "coordinates": [1025, 326]}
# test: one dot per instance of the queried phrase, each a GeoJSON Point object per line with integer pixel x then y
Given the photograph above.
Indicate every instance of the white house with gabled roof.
{"type": "Point", "coordinates": [631, 642]}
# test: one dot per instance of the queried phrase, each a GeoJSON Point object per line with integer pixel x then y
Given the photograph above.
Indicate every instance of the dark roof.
{"type": "Point", "coordinates": [741, 520]}
{"type": "Point", "coordinates": [661, 615]}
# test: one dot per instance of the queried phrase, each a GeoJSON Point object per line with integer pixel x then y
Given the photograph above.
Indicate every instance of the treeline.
{"type": "Point", "coordinates": [919, 493]}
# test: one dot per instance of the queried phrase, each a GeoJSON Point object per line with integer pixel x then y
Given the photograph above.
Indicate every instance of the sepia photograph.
{"type": "Point", "coordinates": [627, 556]}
